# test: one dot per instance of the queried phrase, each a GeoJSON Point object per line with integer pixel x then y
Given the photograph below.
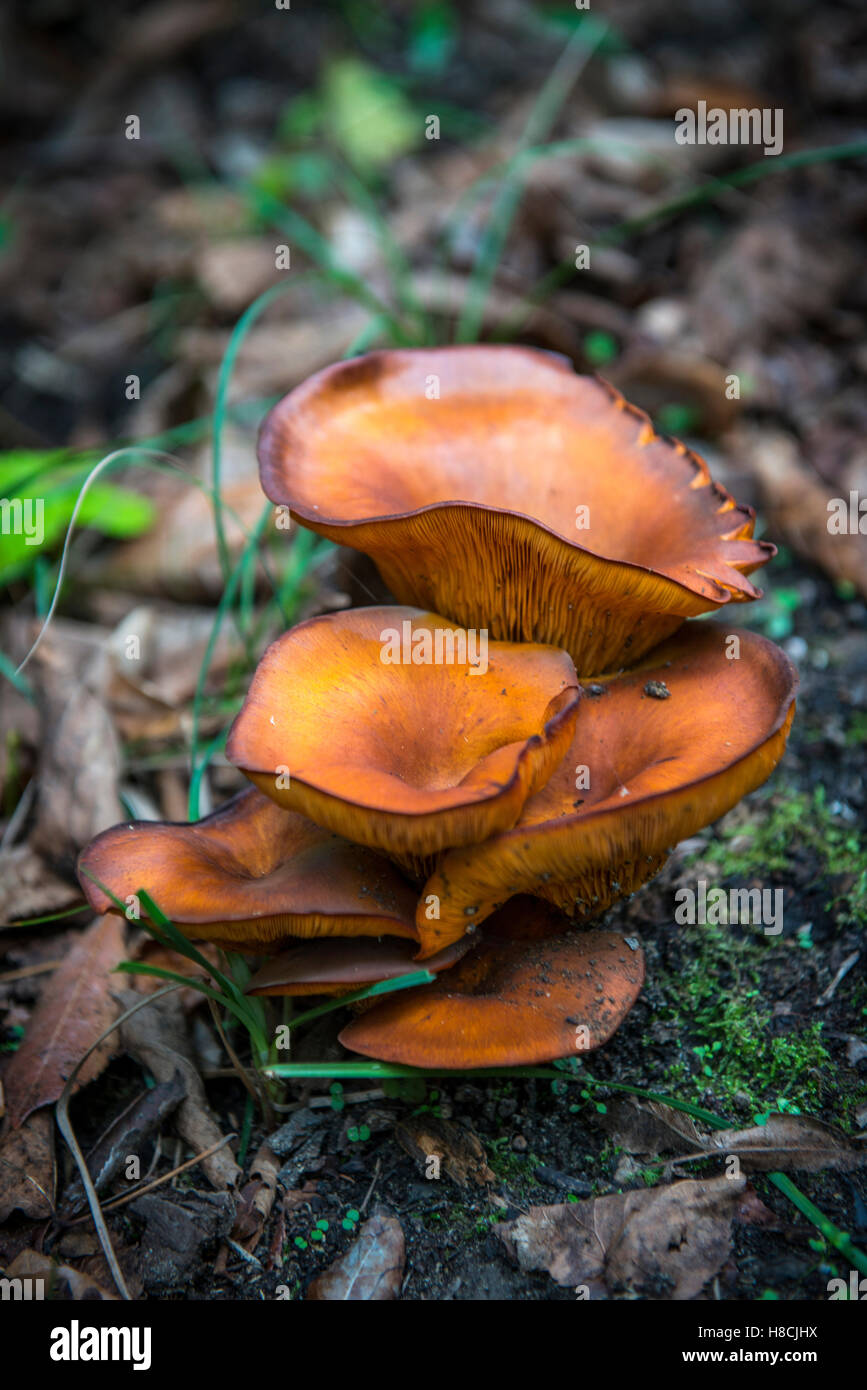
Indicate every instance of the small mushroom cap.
{"type": "Point", "coordinates": [251, 876]}
{"type": "Point", "coordinates": [509, 1003]}
{"type": "Point", "coordinates": [659, 767]}
{"type": "Point", "coordinates": [404, 757]}
{"type": "Point", "coordinates": [493, 484]}
{"type": "Point", "coordinates": [336, 965]}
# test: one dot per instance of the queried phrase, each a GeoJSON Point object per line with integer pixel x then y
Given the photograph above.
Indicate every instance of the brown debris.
{"type": "Point", "coordinates": [75, 1007]}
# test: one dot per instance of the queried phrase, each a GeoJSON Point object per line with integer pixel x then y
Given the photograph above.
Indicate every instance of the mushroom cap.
{"type": "Point", "coordinates": [469, 501]}
{"type": "Point", "coordinates": [659, 769]}
{"type": "Point", "coordinates": [251, 876]}
{"type": "Point", "coordinates": [509, 1002]}
{"type": "Point", "coordinates": [402, 757]}
{"type": "Point", "coordinates": [336, 965]}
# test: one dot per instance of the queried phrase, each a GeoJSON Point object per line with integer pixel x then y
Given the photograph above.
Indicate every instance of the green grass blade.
{"type": "Point", "coordinates": [834, 1236]}
{"type": "Point", "coordinates": [409, 981]}
{"type": "Point", "coordinates": [49, 917]}
{"type": "Point", "coordinates": [239, 332]}
{"type": "Point", "coordinates": [315, 245]}
{"type": "Point", "coordinates": [547, 106]}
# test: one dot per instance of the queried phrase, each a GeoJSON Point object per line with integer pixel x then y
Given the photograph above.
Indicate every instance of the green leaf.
{"type": "Point", "coordinates": [370, 119]}
{"type": "Point", "coordinates": [54, 481]}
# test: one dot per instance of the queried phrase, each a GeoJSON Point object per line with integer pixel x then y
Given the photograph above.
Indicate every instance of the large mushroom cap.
{"type": "Point", "coordinates": [401, 756]}
{"type": "Point", "coordinates": [666, 748]}
{"type": "Point", "coordinates": [496, 486]}
{"type": "Point", "coordinates": [509, 1002]}
{"type": "Point", "coordinates": [250, 876]}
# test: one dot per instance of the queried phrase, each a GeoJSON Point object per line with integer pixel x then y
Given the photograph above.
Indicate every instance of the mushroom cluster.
{"type": "Point", "coordinates": [467, 777]}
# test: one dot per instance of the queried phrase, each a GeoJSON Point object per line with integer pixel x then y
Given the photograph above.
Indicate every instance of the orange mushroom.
{"type": "Point", "coordinates": [658, 753]}
{"type": "Point", "coordinates": [494, 485]}
{"type": "Point", "coordinates": [250, 877]}
{"type": "Point", "coordinates": [334, 966]}
{"type": "Point", "coordinates": [510, 1002]}
{"type": "Point", "coordinates": [344, 724]}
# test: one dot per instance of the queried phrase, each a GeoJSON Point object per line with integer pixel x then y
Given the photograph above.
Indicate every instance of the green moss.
{"type": "Point", "coordinates": [516, 1170]}
{"type": "Point", "coordinates": [790, 824]}
{"type": "Point", "coordinates": [856, 730]}
{"type": "Point", "coordinates": [715, 998]}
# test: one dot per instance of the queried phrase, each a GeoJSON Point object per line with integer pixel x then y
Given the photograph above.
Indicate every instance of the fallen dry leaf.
{"type": "Point", "coordinates": [27, 1168]}
{"type": "Point", "coordinates": [156, 650]}
{"type": "Point", "coordinates": [796, 1142]}
{"type": "Point", "coordinates": [61, 1280]}
{"type": "Point", "coordinates": [156, 1036]}
{"type": "Point", "coordinates": [79, 753]}
{"type": "Point", "coordinates": [124, 1139]}
{"type": "Point", "coordinates": [796, 504]}
{"type": "Point", "coordinates": [459, 1151]}
{"type": "Point", "coordinates": [751, 1210]}
{"type": "Point", "coordinates": [649, 1127]}
{"type": "Point", "coordinates": [765, 282]}
{"type": "Point", "coordinates": [177, 1227]}
{"type": "Point", "coordinates": [299, 1196]}
{"type": "Point", "coordinates": [29, 888]}
{"type": "Point", "coordinates": [372, 1268]}
{"type": "Point", "coordinates": [256, 1199]}
{"type": "Point", "coordinates": [74, 1008]}
{"type": "Point", "coordinates": [789, 1142]}
{"type": "Point", "coordinates": [662, 1242]}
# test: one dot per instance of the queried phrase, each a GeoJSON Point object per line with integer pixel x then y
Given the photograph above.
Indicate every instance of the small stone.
{"type": "Point", "coordinates": [657, 690]}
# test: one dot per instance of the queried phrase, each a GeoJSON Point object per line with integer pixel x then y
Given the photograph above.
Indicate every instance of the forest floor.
{"type": "Point", "coordinates": [132, 261]}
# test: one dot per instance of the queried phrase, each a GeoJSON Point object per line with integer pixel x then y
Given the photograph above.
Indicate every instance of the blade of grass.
{"type": "Point", "coordinates": [315, 245]}
{"type": "Point", "coordinates": [408, 981]}
{"type": "Point", "coordinates": [226, 600]}
{"type": "Point", "coordinates": [49, 917]}
{"type": "Point", "coordinates": [371, 1070]}
{"type": "Point", "coordinates": [358, 193]}
{"type": "Point", "coordinates": [21, 684]}
{"type": "Point", "coordinates": [338, 1070]}
{"type": "Point", "coordinates": [183, 944]}
{"type": "Point", "coordinates": [546, 108]}
{"type": "Point", "coordinates": [131, 454]}
{"type": "Point", "coordinates": [164, 931]}
{"type": "Point", "coordinates": [834, 1236]}
{"type": "Point", "coordinates": [239, 332]}
{"type": "Point", "coordinates": [159, 972]}
{"type": "Point", "coordinates": [740, 178]}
